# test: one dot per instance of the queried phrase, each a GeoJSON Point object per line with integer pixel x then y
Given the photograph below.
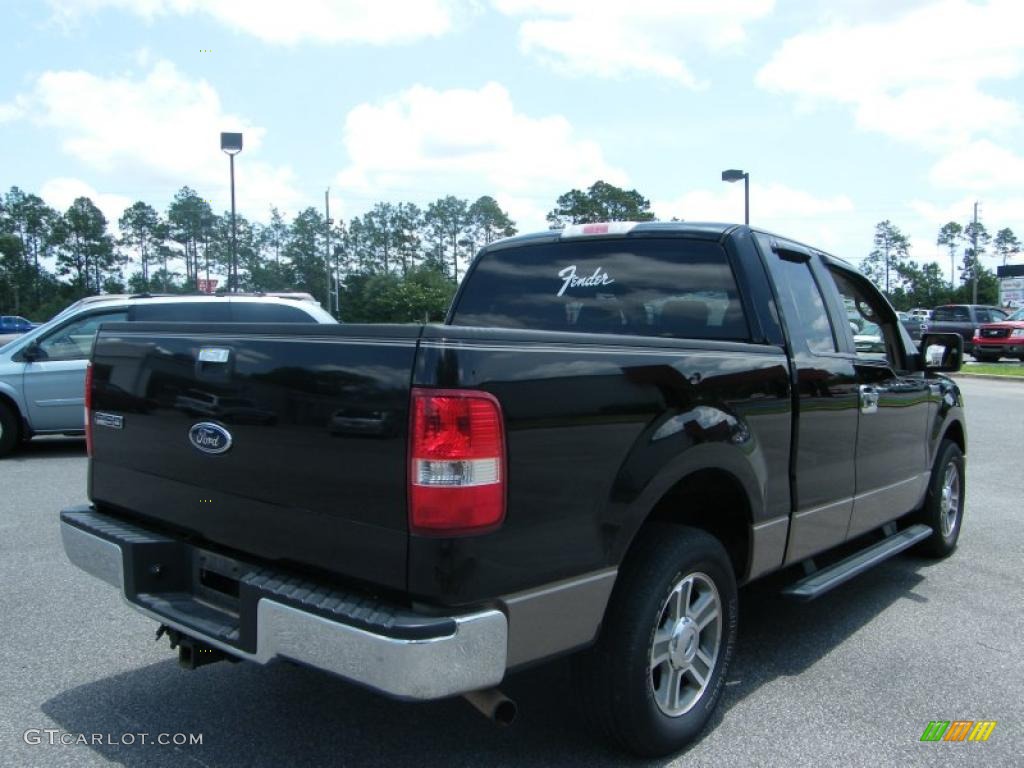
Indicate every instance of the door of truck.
{"type": "Point", "coordinates": [822, 468]}
{"type": "Point", "coordinates": [892, 446]}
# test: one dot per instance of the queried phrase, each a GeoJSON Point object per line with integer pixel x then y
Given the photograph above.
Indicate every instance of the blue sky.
{"type": "Point", "coordinates": [844, 113]}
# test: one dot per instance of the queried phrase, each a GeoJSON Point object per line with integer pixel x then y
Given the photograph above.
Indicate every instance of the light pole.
{"type": "Point", "coordinates": [231, 145]}
{"type": "Point", "coordinates": [735, 175]}
{"type": "Point", "coordinates": [327, 255]}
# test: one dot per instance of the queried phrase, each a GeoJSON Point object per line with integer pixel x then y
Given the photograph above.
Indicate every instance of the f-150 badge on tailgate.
{"type": "Point", "coordinates": [209, 437]}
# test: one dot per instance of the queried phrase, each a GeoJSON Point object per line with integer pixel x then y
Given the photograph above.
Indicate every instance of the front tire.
{"type": "Point", "coordinates": [658, 669]}
{"type": "Point", "coordinates": [943, 509]}
{"type": "Point", "coordinates": [9, 429]}
{"type": "Point", "coordinates": [986, 357]}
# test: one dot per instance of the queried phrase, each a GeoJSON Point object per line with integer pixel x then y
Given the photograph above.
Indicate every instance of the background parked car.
{"type": "Point", "coordinates": [869, 339]}
{"type": "Point", "coordinates": [1002, 339]}
{"type": "Point", "coordinates": [912, 323]}
{"type": "Point", "coordinates": [13, 325]}
{"type": "Point", "coordinates": [963, 319]}
{"type": "Point", "coordinates": [42, 372]}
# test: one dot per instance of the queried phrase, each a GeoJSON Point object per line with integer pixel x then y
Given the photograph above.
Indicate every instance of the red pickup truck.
{"type": "Point", "coordinates": [1003, 339]}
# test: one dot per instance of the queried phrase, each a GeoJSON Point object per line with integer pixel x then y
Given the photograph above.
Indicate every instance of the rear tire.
{"type": "Point", "coordinates": [656, 673]}
{"type": "Point", "coordinates": [9, 429]}
{"type": "Point", "coordinates": [943, 509]}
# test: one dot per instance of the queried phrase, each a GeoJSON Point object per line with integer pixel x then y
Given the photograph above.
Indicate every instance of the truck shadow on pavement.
{"type": "Point", "coordinates": [287, 715]}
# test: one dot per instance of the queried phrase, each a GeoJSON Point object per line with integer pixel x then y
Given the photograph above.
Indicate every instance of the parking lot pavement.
{"type": "Point", "coordinates": [851, 679]}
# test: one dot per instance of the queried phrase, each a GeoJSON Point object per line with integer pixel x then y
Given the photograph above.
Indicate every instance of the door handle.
{"type": "Point", "coordinates": [868, 399]}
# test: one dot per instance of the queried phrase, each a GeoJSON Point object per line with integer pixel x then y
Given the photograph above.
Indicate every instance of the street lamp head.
{"type": "Point", "coordinates": [231, 143]}
{"type": "Point", "coordinates": [733, 175]}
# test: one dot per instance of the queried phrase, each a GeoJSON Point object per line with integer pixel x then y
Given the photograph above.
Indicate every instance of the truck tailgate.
{"type": "Point", "coordinates": [302, 458]}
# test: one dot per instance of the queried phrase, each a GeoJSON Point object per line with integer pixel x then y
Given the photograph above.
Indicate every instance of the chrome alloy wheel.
{"type": "Point", "coordinates": [685, 645]}
{"type": "Point", "coordinates": [950, 504]}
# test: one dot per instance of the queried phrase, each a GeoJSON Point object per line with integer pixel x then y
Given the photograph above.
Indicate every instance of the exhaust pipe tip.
{"type": "Point", "coordinates": [494, 705]}
{"type": "Point", "coordinates": [505, 713]}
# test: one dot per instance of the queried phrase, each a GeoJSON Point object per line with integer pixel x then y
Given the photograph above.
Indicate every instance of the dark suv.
{"type": "Point", "coordinates": [962, 319]}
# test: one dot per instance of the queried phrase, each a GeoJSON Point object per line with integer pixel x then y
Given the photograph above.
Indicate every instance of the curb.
{"type": "Point", "coordinates": [992, 376]}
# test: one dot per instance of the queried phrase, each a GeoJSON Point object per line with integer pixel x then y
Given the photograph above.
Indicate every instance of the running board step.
{"type": "Point", "coordinates": [820, 582]}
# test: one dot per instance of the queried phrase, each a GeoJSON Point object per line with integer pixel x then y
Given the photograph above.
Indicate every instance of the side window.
{"type": "Point", "coordinates": [254, 312]}
{"type": "Point", "coordinates": [182, 312]}
{"type": "Point", "coordinates": [990, 315]}
{"type": "Point", "coordinates": [804, 306]}
{"type": "Point", "coordinates": [875, 335]}
{"type": "Point", "coordinates": [961, 315]}
{"type": "Point", "coordinates": [942, 314]}
{"type": "Point", "coordinates": [74, 340]}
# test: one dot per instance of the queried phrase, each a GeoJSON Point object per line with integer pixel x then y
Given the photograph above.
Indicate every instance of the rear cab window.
{"type": "Point", "coordinates": [663, 287]}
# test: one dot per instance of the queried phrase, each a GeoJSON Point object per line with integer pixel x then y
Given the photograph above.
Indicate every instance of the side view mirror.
{"type": "Point", "coordinates": [942, 352]}
{"type": "Point", "coordinates": [31, 353]}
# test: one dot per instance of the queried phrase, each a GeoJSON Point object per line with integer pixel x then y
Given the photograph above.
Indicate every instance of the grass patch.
{"type": "Point", "coordinates": [1009, 369]}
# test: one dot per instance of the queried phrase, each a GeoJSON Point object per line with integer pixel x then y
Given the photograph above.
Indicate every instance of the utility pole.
{"type": "Point", "coordinates": [327, 258]}
{"type": "Point", "coordinates": [974, 257]}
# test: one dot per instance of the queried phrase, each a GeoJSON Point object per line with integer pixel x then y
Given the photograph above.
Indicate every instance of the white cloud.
{"type": "Point", "coordinates": [162, 131]}
{"type": "Point", "coordinates": [61, 192]}
{"type": "Point", "coordinates": [319, 21]}
{"type": "Point", "coordinates": [423, 143]}
{"type": "Point", "coordinates": [771, 202]}
{"type": "Point", "coordinates": [824, 222]}
{"type": "Point", "coordinates": [918, 76]}
{"type": "Point", "coordinates": [980, 165]}
{"type": "Point", "coordinates": [11, 111]}
{"type": "Point", "coordinates": [649, 37]}
{"type": "Point", "coordinates": [995, 214]}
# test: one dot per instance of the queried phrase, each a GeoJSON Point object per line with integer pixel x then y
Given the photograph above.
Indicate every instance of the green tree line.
{"type": "Point", "coordinates": [406, 260]}
{"type": "Point", "coordinates": [910, 284]}
{"type": "Point", "coordinates": [395, 262]}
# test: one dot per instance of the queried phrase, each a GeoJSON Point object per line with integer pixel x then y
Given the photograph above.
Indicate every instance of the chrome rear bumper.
{"type": "Point", "coordinates": [396, 652]}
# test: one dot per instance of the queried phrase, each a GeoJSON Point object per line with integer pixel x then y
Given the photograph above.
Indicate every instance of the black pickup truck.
{"type": "Point", "coordinates": [615, 427]}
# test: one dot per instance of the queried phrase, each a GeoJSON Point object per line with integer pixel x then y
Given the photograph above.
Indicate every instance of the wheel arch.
{"type": "Point", "coordinates": [711, 487]}
{"type": "Point", "coordinates": [715, 501]}
{"type": "Point", "coordinates": [8, 399]}
{"type": "Point", "coordinates": [955, 431]}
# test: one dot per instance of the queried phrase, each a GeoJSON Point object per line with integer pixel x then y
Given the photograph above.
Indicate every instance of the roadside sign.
{"type": "Point", "coordinates": [207, 286]}
{"type": "Point", "coordinates": [1011, 292]}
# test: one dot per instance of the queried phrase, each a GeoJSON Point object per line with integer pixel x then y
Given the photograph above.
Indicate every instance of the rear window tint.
{"type": "Point", "coordinates": [183, 312]}
{"type": "Point", "coordinates": [253, 312]}
{"type": "Point", "coordinates": [672, 287]}
{"type": "Point", "coordinates": [952, 314]}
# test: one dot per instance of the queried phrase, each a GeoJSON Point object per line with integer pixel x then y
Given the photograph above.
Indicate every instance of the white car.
{"type": "Point", "coordinates": [42, 372]}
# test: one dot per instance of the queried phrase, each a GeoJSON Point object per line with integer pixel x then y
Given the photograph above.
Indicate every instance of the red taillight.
{"type": "Point", "coordinates": [456, 462]}
{"type": "Point", "coordinates": [88, 409]}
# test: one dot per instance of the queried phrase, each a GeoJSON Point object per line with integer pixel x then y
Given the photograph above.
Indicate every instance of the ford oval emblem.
{"type": "Point", "coordinates": [209, 437]}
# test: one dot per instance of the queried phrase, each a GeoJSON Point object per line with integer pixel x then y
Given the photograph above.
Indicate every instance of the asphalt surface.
{"type": "Point", "coordinates": [851, 679]}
